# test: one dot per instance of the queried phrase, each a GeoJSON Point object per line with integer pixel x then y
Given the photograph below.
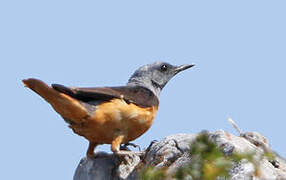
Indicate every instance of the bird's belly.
{"type": "Point", "coordinates": [115, 118]}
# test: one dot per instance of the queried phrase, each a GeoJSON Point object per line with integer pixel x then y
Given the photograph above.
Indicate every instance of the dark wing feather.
{"type": "Point", "coordinates": [131, 94]}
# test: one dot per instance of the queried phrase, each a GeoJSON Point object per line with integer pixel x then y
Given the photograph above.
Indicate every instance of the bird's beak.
{"type": "Point", "coordinates": [183, 67]}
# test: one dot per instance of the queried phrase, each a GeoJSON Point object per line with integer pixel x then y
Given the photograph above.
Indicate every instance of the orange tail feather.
{"type": "Point", "coordinates": [65, 105]}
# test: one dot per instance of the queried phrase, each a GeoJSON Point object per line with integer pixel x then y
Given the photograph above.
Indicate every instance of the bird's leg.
{"type": "Point", "coordinates": [90, 152]}
{"type": "Point", "coordinates": [115, 144]}
{"type": "Point", "coordinates": [115, 147]}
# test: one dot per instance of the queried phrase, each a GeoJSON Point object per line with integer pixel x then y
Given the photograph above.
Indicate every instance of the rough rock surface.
{"type": "Point", "coordinates": [173, 152]}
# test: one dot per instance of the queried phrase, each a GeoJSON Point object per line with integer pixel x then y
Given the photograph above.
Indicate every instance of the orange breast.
{"type": "Point", "coordinates": [116, 118]}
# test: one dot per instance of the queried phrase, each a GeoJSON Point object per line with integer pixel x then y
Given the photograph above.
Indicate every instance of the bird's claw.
{"type": "Point", "coordinates": [125, 146]}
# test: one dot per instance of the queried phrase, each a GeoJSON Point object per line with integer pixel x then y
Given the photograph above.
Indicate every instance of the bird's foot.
{"type": "Point", "coordinates": [125, 146]}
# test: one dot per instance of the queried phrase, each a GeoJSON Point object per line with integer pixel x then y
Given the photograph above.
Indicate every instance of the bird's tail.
{"type": "Point", "coordinates": [65, 105]}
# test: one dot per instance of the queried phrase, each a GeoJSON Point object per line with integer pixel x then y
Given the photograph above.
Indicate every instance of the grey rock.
{"type": "Point", "coordinates": [250, 142]}
{"type": "Point", "coordinates": [107, 167]}
{"type": "Point", "coordinates": [169, 150]}
{"type": "Point", "coordinates": [173, 152]}
{"type": "Point", "coordinates": [99, 168]}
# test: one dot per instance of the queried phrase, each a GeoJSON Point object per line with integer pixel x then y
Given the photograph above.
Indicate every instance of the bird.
{"type": "Point", "coordinates": [112, 115]}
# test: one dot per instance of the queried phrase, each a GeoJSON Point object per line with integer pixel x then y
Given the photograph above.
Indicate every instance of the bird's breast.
{"type": "Point", "coordinates": [116, 117]}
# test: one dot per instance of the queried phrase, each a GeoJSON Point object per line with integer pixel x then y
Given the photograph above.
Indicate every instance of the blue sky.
{"type": "Point", "coordinates": [239, 48]}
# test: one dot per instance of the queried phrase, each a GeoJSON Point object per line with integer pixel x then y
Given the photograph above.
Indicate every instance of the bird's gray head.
{"type": "Point", "coordinates": [155, 76]}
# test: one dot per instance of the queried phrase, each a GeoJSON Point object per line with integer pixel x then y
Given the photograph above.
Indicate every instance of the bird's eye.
{"type": "Point", "coordinates": [164, 67]}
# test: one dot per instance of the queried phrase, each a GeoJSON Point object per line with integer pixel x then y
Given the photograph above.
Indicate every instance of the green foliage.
{"type": "Point", "coordinates": [150, 173]}
{"type": "Point", "coordinates": [207, 162]}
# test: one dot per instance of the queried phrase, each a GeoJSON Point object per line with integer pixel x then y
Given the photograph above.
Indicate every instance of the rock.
{"type": "Point", "coordinates": [247, 143]}
{"type": "Point", "coordinates": [107, 166]}
{"type": "Point", "coordinates": [173, 153]}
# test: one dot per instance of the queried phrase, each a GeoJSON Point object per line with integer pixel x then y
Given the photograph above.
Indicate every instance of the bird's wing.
{"type": "Point", "coordinates": [131, 94]}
